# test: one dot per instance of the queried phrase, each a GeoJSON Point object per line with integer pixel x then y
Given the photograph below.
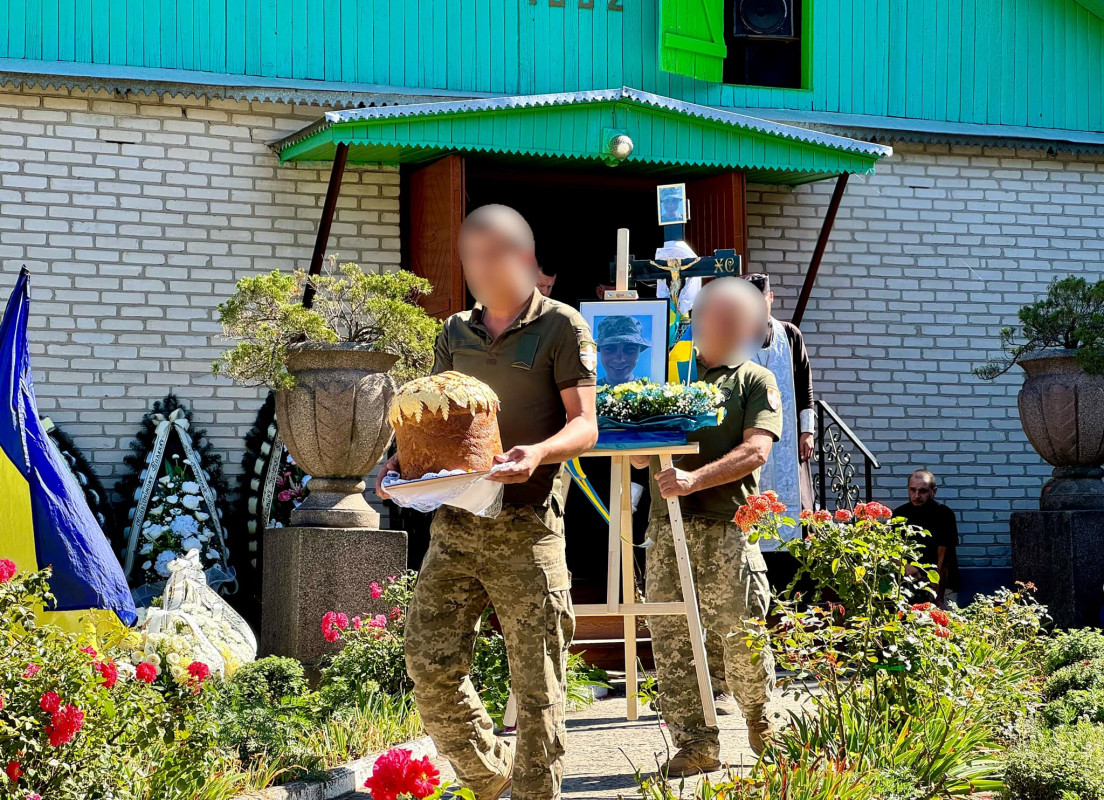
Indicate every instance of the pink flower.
{"type": "Point", "coordinates": [333, 623]}
{"type": "Point", "coordinates": [396, 612]}
{"type": "Point", "coordinates": [49, 702]}
{"type": "Point", "coordinates": [31, 670]}
{"type": "Point", "coordinates": [7, 570]}
{"type": "Point", "coordinates": [396, 774]}
{"type": "Point", "coordinates": [90, 651]}
{"type": "Point", "coordinates": [109, 671]}
{"type": "Point", "coordinates": [378, 621]}
{"type": "Point", "coordinates": [284, 496]}
{"type": "Point", "coordinates": [34, 796]}
{"type": "Point", "coordinates": [65, 723]}
{"type": "Point", "coordinates": [356, 623]}
{"type": "Point", "coordinates": [146, 672]}
{"type": "Point", "coordinates": [377, 590]}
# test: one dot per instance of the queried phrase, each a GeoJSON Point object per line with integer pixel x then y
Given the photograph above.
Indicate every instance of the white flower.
{"type": "Point", "coordinates": [191, 543]}
{"type": "Point", "coordinates": [172, 499]}
{"type": "Point", "coordinates": [172, 658]}
{"type": "Point", "coordinates": [126, 671]}
{"type": "Point", "coordinates": [137, 657]}
{"type": "Point", "coordinates": [147, 564]}
{"type": "Point", "coordinates": [147, 548]}
{"type": "Point", "coordinates": [212, 554]}
{"type": "Point", "coordinates": [156, 512]}
{"type": "Point", "coordinates": [191, 502]}
{"type": "Point", "coordinates": [185, 526]}
{"type": "Point", "coordinates": [164, 480]}
{"type": "Point", "coordinates": [154, 659]}
{"type": "Point", "coordinates": [199, 515]}
{"type": "Point", "coordinates": [189, 487]}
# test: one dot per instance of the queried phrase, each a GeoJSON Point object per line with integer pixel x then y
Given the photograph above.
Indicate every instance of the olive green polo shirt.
{"type": "Point", "coordinates": [549, 347]}
{"type": "Point", "coordinates": [751, 400]}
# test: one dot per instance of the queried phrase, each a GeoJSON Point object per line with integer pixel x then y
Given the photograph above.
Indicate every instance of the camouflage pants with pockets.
{"type": "Point", "coordinates": [730, 578]}
{"type": "Point", "coordinates": [516, 563]}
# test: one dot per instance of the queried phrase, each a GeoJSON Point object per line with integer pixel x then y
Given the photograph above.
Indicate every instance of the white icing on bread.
{"type": "Point", "coordinates": [435, 394]}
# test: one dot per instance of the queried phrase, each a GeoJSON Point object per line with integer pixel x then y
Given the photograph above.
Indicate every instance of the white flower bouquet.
{"type": "Point", "coordinates": [642, 412]}
{"type": "Point", "coordinates": [176, 523]}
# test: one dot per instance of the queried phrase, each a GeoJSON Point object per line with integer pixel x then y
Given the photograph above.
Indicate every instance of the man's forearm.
{"type": "Point", "coordinates": [739, 463]}
{"type": "Point", "coordinates": [573, 439]}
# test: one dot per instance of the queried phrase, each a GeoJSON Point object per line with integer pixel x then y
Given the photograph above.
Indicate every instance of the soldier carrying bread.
{"type": "Point", "coordinates": [539, 357]}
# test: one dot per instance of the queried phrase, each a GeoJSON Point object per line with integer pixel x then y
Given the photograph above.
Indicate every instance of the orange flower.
{"type": "Point", "coordinates": [822, 516]}
{"type": "Point", "coordinates": [843, 515]}
{"type": "Point", "coordinates": [806, 515]}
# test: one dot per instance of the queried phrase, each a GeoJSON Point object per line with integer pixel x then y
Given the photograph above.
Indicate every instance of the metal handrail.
{"type": "Point", "coordinates": [832, 435]}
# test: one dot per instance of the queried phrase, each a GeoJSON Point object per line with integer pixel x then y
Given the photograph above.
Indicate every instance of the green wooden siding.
{"type": "Point", "coordinates": [969, 61]}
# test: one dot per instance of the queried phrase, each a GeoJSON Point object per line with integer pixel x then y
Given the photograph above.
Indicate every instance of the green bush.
{"type": "Point", "coordinates": [1075, 706]}
{"type": "Point", "coordinates": [268, 680]}
{"type": "Point", "coordinates": [1070, 647]}
{"type": "Point", "coordinates": [1082, 675]}
{"type": "Point", "coordinates": [1064, 763]}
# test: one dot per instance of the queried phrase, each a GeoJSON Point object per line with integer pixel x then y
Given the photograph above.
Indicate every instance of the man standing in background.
{"type": "Point", "coordinates": [940, 548]}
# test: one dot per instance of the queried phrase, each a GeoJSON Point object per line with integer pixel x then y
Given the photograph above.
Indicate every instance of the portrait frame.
{"type": "Point", "coordinates": [651, 318]}
{"type": "Point", "coordinates": [666, 191]}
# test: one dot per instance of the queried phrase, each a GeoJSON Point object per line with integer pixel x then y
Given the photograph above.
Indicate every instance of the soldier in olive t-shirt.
{"type": "Point", "coordinates": [729, 573]}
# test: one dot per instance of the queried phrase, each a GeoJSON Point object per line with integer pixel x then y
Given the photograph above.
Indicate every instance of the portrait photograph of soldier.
{"type": "Point", "coordinates": [672, 204]}
{"type": "Point", "coordinates": [631, 340]}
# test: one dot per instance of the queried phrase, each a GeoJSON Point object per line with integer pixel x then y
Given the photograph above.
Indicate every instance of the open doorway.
{"type": "Point", "coordinates": [574, 216]}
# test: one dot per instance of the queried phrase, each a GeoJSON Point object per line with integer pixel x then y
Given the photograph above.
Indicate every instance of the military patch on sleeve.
{"type": "Point", "coordinates": [774, 399]}
{"type": "Point", "coordinates": [588, 354]}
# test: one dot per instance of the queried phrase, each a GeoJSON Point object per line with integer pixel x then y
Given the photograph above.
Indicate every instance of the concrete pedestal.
{"type": "Point", "coordinates": [309, 571]}
{"type": "Point", "coordinates": [1062, 553]}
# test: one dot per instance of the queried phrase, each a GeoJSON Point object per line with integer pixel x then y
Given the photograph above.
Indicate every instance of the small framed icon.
{"type": "Point", "coordinates": [672, 205]}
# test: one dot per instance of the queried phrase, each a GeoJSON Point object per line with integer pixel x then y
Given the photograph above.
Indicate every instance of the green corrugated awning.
{"type": "Point", "coordinates": [575, 130]}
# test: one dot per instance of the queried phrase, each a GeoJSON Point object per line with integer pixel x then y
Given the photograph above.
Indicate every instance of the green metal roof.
{"type": "Point", "coordinates": [574, 129]}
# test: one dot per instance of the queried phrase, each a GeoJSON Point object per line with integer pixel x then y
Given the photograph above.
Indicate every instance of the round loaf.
{"type": "Point", "coordinates": [445, 422]}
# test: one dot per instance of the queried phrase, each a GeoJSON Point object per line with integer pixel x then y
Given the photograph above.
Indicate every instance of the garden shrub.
{"type": "Point", "coordinates": [1082, 675]}
{"type": "Point", "coordinates": [268, 680]}
{"type": "Point", "coordinates": [1070, 647]}
{"type": "Point", "coordinates": [1065, 763]}
{"type": "Point", "coordinates": [1074, 706]}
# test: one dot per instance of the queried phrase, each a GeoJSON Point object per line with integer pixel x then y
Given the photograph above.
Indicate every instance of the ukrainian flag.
{"type": "Point", "coordinates": [44, 519]}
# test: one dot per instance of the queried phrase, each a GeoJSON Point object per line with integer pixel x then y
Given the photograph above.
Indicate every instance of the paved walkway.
{"type": "Point", "coordinates": [603, 749]}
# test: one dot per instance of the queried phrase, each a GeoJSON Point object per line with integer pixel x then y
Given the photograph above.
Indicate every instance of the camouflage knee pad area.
{"type": "Point", "coordinates": [516, 563]}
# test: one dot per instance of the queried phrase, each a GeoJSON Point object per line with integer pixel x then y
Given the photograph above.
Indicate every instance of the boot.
{"type": "Point", "coordinates": [688, 762]}
{"type": "Point", "coordinates": [502, 785]}
{"type": "Point", "coordinates": [760, 733]}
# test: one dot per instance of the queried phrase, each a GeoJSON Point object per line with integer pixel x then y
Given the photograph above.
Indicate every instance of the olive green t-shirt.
{"type": "Point", "coordinates": [549, 347]}
{"type": "Point", "coordinates": [751, 400]}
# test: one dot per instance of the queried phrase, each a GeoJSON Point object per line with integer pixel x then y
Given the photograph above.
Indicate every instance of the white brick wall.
{"type": "Point", "coordinates": [136, 216]}
{"type": "Point", "coordinates": [928, 259]}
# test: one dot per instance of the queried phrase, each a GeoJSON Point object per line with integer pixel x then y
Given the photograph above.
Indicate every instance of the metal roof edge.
{"type": "Point", "coordinates": [193, 83]}
{"type": "Point", "coordinates": [965, 133]}
{"type": "Point", "coordinates": [724, 116]}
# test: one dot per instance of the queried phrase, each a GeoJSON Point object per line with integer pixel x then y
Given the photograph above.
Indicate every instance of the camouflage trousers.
{"type": "Point", "coordinates": [516, 563]}
{"type": "Point", "coordinates": [730, 578]}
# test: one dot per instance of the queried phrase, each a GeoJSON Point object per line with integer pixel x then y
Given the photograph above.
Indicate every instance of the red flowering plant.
{"type": "Point", "coordinates": [77, 718]}
{"type": "Point", "coordinates": [397, 775]}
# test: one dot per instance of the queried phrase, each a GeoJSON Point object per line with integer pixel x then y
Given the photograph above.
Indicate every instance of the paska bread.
{"type": "Point", "coordinates": [445, 422]}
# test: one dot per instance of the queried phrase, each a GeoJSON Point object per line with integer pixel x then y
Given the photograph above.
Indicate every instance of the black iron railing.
{"type": "Point", "coordinates": [834, 484]}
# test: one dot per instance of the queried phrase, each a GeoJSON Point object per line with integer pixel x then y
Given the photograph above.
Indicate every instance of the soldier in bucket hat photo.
{"type": "Point", "coordinates": [620, 342]}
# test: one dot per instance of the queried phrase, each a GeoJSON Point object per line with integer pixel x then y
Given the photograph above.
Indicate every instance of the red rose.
{"type": "Point", "coordinates": [377, 590]}
{"type": "Point", "coordinates": [7, 571]}
{"type": "Point", "coordinates": [14, 771]}
{"type": "Point", "coordinates": [109, 672]}
{"type": "Point", "coordinates": [65, 723]}
{"type": "Point", "coordinates": [146, 672]}
{"type": "Point", "coordinates": [50, 702]}
{"type": "Point", "coordinates": [842, 515]}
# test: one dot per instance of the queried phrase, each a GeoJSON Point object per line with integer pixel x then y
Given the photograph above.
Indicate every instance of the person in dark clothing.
{"type": "Point", "coordinates": [941, 547]}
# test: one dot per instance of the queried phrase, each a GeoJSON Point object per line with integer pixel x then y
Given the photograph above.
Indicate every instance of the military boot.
{"type": "Point", "coordinates": [688, 762]}
{"type": "Point", "coordinates": [760, 733]}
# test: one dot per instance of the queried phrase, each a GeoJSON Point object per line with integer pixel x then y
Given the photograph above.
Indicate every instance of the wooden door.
{"type": "Point", "coordinates": [435, 210]}
{"type": "Point", "coordinates": [718, 214]}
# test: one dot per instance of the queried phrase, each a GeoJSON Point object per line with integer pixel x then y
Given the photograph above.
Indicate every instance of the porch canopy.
{"type": "Point", "coordinates": [577, 128]}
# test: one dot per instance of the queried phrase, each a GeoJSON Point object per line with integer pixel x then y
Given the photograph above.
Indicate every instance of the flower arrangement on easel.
{"type": "Point", "coordinates": [642, 412]}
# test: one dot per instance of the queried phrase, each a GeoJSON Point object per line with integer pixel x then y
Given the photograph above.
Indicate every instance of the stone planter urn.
{"type": "Point", "coordinates": [334, 423]}
{"type": "Point", "coordinates": [1062, 413]}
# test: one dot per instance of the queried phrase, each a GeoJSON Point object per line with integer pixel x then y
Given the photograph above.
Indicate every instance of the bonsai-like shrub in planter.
{"type": "Point", "coordinates": [1061, 406]}
{"type": "Point", "coordinates": [334, 368]}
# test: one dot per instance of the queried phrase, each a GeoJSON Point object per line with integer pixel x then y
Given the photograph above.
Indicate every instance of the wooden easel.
{"type": "Point", "coordinates": [620, 586]}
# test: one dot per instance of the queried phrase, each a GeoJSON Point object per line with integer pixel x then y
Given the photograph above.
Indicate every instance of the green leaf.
{"type": "Point", "coordinates": [835, 565]}
{"type": "Point", "coordinates": [933, 576]}
{"type": "Point", "coordinates": [860, 573]}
